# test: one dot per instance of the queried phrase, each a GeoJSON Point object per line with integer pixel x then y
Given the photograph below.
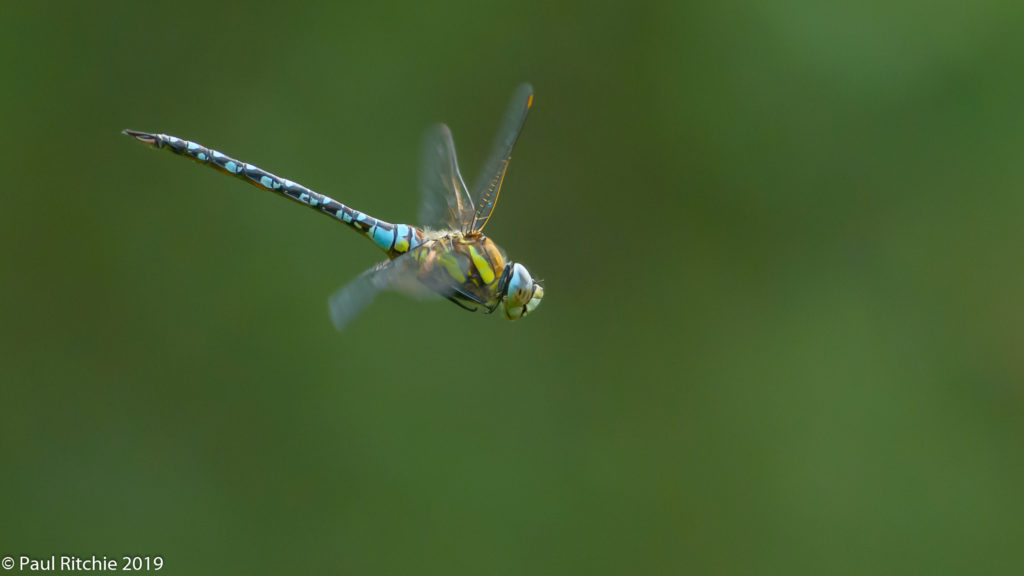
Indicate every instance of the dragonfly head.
{"type": "Point", "coordinates": [522, 294]}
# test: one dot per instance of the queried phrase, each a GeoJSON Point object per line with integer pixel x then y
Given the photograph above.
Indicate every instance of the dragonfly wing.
{"type": "Point", "coordinates": [397, 275]}
{"type": "Point", "coordinates": [488, 186]}
{"type": "Point", "coordinates": [445, 200]}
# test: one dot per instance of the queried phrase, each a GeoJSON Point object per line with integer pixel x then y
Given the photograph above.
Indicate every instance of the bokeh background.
{"type": "Point", "coordinates": [782, 250]}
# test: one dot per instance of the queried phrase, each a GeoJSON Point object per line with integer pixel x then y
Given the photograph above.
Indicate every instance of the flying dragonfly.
{"type": "Point", "coordinates": [447, 255]}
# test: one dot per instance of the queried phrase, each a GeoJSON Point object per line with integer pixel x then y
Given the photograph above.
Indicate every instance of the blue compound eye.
{"type": "Point", "coordinates": [523, 295]}
{"type": "Point", "coordinates": [520, 286]}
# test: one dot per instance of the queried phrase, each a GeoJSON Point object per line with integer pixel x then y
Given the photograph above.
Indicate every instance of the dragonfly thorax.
{"type": "Point", "coordinates": [472, 271]}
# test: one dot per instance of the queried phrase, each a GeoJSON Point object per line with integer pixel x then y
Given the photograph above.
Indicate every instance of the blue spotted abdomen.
{"type": "Point", "coordinates": [394, 239]}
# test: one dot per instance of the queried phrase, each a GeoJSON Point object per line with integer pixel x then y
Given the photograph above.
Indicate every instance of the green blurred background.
{"type": "Point", "coordinates": [780, 241]}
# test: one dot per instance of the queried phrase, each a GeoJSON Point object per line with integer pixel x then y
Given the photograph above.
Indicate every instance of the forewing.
{"type": "Point", "coordinates": [488, 186]}
{"type": "Point", "coordinates": [445, 202]}
{"type": "Point", "coordinates": [397, 275]}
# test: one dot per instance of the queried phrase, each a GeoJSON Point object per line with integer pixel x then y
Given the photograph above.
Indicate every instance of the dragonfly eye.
{"type": "Point", "coordinates": [522, 295]}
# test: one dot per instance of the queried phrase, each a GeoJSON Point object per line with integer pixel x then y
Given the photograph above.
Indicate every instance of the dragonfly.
{"type": "Point", "coordinates": [446, 256]}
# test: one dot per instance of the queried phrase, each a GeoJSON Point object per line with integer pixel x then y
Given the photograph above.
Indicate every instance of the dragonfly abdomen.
{"type": "Point", "coordinates": [394, 239]}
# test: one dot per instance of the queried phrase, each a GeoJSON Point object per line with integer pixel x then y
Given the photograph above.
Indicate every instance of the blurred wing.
{"type": "Point", "coordinates": [398, 275]}
{"type": "Point", "coordinates": [487, 188]}
{"type": "Point", "coordinates": [445, 200]}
